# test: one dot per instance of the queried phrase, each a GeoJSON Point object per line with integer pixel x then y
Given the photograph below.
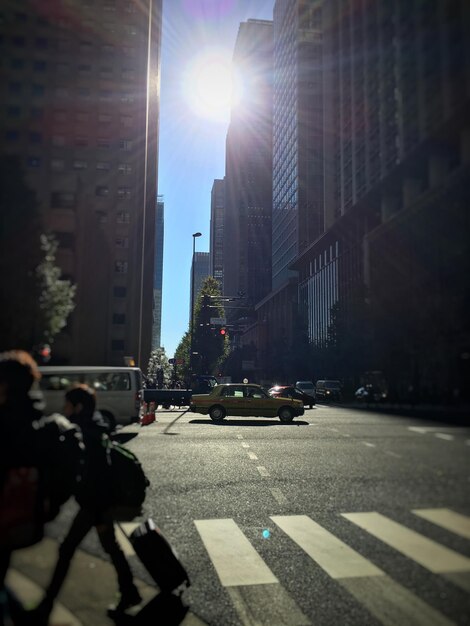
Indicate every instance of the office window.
{"type": "Point", "coordinates": [60, 116]}
{"type": "Point", "coordinates": [117, 345]}
{"type": "Point", "coordinates": [126, 120]}
{"type": "Point", "coordinates": [61, 92]}
{"type": "Point", "coordinates": [121, 267]}
{"type": "Point", "coordinates": [103, 165]}
{"type": "Point", "coordinates": [105, 118]}
{"type": "Point", "coordinates": [119, 318]}
{"type": "Point", "coordinates": [102, 217]}
{"type": "Point", "coordinates": [41, 43]}
{"type": "Point", "coordinates": [80, 165]}
{"type": "Point", "coordinates": [83, 93]}
{"type": "Point", "coordinates": [107, 49]}
{"type": "Point", "coordinates": [14, 111]}
{"type": "Point", "coordinates": [14, 87]}
{"type": "Point", "coordinates": [38, 90]}
{"type": "Point", "coordinates": [63, 68]}
{"type": "Point", "coordinates": [83, 69]}
{"type": "Point", "coordinates": [122, 217]}
{"type": "Point", "coordinates": [39, 66]}
{"type": "Point", "coordinates": [81, 141]}
{"type": "Point", "coordinates": [103, 143]}
{"type": "Point", "coordinates": [85, 46]}
{"type": "Point", "coordinates": [33, 161]}
{"type": "Point", "coordinates": [65, 240]}
{"type": "Point", "coordinates": [120, 292]}
{"type": "Point", "coordinates": [58, 141]}
{"type": "Point", "coordinates": [19, 42]}
{"type": "Point", "coordinates": [82, 117]}
{"type": "Point", "coordinates": [125, 168]}
{"type": "Point", "coordinates": [62, 200]}
{"type": "Point", "coordinates": [17, 64]}
{"type": "Point", "coordinates": [37, 113]}
{"type": "Point", "coordinates": [57, 165]}
{"type": "Point", "coordinates": [125, 144]}
{"type": "Point", "coordinates": [35, 137]}
{"type": "Point", "coordinates": [122, 242]}
{"type": "Point", "coordinates": [12, 135]}
{"type": "Point", "coordinates": [124, 193]}
{"type": "Point", "coordinates": [101, 190]}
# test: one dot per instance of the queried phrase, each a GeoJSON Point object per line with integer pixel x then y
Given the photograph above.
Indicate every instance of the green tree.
{"type": "Point", "coordinates": [182, 355]}
{"type": "Point", "coordinates": [56, 295]}
{"type": "Point", "coordinates": [211, 347]}
{"type": "Point", "coordinates": [158, 361]}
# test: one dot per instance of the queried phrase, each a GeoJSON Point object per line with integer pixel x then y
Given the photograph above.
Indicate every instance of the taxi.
{"type": "Point", "coordinates": [244, 400]}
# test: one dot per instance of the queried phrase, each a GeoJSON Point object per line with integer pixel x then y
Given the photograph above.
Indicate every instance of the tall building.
{"type": "Point", "coordinates": [201, 263]}
{"type": "Point", "coordinates": [79, 111]}
{"type": "Point", "coordinates": [158, 274]}
{"type": "Point", "coordinates": [216, 265]}
{"type": "Point", "coordinates": [298, 204]}
{"type": "Point", "coordinates": [248, 171]}
{"type": "Point", "coordinates": [397, 155]}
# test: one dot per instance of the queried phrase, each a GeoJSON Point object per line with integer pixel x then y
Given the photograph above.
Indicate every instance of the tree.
{"type": "Point", "coordinates": [209, 344]}
{"type": "Point", "coordinates": [182, 355]}
{"type": "Point", "coordinates": [56, 299]}
{"type": "Point", "coordinates": [158, 369]}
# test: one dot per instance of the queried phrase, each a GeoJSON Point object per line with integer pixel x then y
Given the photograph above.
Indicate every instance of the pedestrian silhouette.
{"type": "Point", "coordinates": [41, 459]}
{"type": "Point", "coordinates": [92, 495]}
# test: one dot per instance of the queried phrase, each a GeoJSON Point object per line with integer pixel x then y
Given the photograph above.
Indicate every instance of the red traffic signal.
{"type": "Point", "coordinates": [222, 331]}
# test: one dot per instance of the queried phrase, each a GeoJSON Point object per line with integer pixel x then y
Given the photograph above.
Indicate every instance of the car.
{"type": "Point", "coordinates": [244, 400]}
{"type": "Point", "coordinates": [290, 391]}
{"type": "Point", "coordinates": [119, 390]}
{"type": "Point", "coordinates": [328, 390]}
{"type": "Point", "coordinates": [307, 386]}
{"type": "Point", "coordinates": [369, 393]}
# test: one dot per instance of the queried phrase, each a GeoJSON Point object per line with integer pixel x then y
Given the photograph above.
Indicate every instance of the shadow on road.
{"type": "Point", "coordinates": [254, 422]}
{"type": "Point", "coordinates": [123, 437]}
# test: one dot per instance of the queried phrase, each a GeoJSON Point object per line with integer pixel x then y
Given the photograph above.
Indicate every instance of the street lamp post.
{"type": "Point", "coordinates": [192, 306]}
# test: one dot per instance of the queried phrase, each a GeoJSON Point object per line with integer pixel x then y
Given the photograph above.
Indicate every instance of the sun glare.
{"type": "Point", "coordinates": [209, 85]}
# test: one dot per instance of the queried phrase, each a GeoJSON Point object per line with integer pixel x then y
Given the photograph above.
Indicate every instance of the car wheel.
{"type": "Point", "coordinates": [217, 413]}
{"type": "Point", "coordinates": [285, 414]}
{"type": "Point", "coordinates": [310, 406]}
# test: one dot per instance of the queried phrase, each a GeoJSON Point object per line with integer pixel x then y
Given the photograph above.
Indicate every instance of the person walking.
{"type": "Point", "coordinates": [40, 464]}
{"type": "Point", "coordinates": [92, 498]}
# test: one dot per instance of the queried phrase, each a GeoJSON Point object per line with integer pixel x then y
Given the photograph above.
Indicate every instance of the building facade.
{"type": "Point", "coordinates": [158, 273]}
{"type": "Point", "coordinates": [248, 171]}
{"type": "Point", "coordinates": [76, 102]}
{"type": "Point", "coordinates": [216, 263]}
{"type": "Point", "coordinates": [201, 261]}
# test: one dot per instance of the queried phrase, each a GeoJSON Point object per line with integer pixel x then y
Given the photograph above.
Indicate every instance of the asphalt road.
{"type": "Point", "coordinates": [342, 517]}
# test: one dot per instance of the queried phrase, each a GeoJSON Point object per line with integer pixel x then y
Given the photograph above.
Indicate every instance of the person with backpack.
{"type": "Point", "coordinates": [94, 497]}
{"type": "Point", "coordinates": [41, 460]}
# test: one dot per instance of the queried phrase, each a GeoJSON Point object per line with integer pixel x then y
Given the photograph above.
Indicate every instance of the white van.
{"type": "Point", "coordinates": [119, 390]}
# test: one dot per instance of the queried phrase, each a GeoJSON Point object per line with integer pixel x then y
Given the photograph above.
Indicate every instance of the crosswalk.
{"type": "Point", "coordinates": [249, 580]}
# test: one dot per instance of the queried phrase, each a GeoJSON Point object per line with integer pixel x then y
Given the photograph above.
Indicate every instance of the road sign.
{"type": "Point", "coordinates": [179, 361]}
{"type": "Point", "coordinates": [171, 361]}
{"type": "Point", "coordinates": [221, 321]}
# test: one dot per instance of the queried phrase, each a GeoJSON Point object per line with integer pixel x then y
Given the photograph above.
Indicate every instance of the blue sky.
{"type": "Point", "coordinates": [192, 146]}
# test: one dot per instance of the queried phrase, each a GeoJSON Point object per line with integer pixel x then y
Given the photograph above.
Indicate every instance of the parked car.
{"type": "Point", "coordinates": [328, 390]}
{"type": "Point", "coordinates": [289, 391]}
{"type": "Point", "coordinates": [244, 400]}
{"type": "Point", "coordinates": [119, 390]}
{"type": "Point", "coordinates": [307, 386]}
{"type": "Point", "coordinates": [369, 393]}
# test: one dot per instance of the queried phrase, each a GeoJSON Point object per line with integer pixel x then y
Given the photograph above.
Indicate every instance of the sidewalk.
{"type": "Point", "coordinates": [88, 590]}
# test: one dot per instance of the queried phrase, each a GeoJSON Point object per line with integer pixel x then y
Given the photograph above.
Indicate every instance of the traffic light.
{"type": "Point", "coordinates": [44, 353]}
{"type": "Point", "coordinates": [222, 331]}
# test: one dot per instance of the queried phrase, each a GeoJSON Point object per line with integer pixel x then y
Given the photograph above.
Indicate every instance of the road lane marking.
{"type": "Point", "coordinates": [245, 445]}
{"type": "Point", "coordinates": [428, 553]}
{"type": "Point", "coordinates": [239, 436]}
{"type": "Point", "coordinates": [345, 435]}
{"type": "Point", "coordinates": [444, 436]}
{"type": "Point", "coordinates": [279, 496]}
{"type": "Point", "coordinates": [234, 558]}
{"type": "Point", "coordinates": [263, 471]}
{"type": "Point", "coordinates": [252, 456]}
{"type": "Point", "coordinates": [386, 599]}
{"type": "Point", "coordinates": [370, 445]}
{"type": "Point", "coordinates": [332, 555]}
{"type": "Point", "coordinates": [445, 518]}
{"type": "Point", "coordinates": [390, 453]}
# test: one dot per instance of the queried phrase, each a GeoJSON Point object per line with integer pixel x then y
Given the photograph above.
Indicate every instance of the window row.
{"type": "Point", "coordinates": [59, 141]}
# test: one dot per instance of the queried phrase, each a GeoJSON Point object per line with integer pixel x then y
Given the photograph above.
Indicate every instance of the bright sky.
{"type": "Point", "coordinates": [198, 41]}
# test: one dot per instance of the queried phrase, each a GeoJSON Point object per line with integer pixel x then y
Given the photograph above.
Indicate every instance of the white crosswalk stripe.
{"type": "Point", "coordinates": [249, 581]}
{"type": "Point", "coordinates": [455, 522]}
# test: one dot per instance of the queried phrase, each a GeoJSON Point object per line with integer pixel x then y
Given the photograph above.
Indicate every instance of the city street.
{"type": "Point", "coordinates": [344, 516]}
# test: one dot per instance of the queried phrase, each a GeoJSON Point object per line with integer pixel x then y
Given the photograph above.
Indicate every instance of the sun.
{"type": "Point", "coordinates": [209, 85]}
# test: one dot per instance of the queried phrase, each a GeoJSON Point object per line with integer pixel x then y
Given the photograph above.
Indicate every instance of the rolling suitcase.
{"type": "Point", "coordinates": [158, 557]}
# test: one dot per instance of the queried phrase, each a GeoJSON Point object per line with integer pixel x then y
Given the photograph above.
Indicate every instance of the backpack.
{"type": "Point", "coordinates": [127, 480]}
